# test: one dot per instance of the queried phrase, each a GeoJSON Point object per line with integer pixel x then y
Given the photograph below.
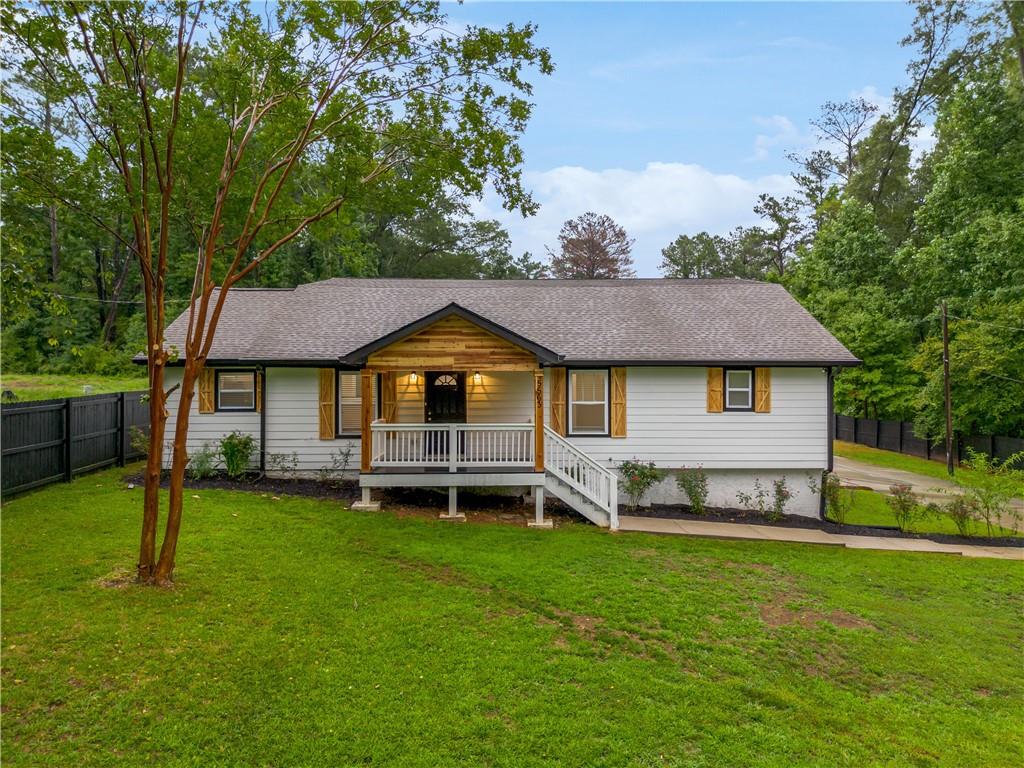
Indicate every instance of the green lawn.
{"type": "Point", "coordinates": [47, 386]}
{"type": "Point", "coordinates": [870, 508]}
{"type": "Point", "coordinates": [300, 633]}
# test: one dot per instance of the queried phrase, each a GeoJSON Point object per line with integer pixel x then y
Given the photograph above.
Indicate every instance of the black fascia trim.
{"type": "Point", "coordinates": [358, 357]}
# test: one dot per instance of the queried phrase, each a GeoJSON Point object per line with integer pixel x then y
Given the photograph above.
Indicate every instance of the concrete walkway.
{"type": "Point", "coordinates": [809, 536]}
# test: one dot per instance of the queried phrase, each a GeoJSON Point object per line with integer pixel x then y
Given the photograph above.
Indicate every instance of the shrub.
{"type": "Point", "coordinates": [694, 483]}
{"type": "Point", "coordinates": [994, 489]}
{"type": "Point", "coordinates": [757, 501]}
{"type": "Point", "coordinates": [962, 509]}
{"type": "Point", "coordinates": [638, 477]}
{"type": "Point", "coordinates": [333, 474]}
{"type": "Point", "coordinates": [905, 505]}
{"type": "Point", "coordinates": [202, 463]}
{"type": "Point", "coordinates": [138, 439]}
{"type": "Point", "coordinates": [285, 464]}
{"type": "Point", "coordinates": [236, 451]}
{"type": "Point", "coordinates": [781, 494]}
{"type": "Point", "coordinates": [838, 500]}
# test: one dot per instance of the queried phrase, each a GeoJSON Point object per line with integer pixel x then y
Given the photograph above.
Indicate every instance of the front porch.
{"type": "Point", "coordinates": [454, 401]}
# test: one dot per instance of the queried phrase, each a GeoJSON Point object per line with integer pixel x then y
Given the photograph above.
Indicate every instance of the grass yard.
{"type": "Point", "coordinates": [45, 386]}
{"type": "Point", "coordinates": [870, 508]}
{"type": "Point", "coordinates": [300, 633]}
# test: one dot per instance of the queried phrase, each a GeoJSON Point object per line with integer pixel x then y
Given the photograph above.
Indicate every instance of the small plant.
{"type": "Point", "coordinates": [236, 451]}
{"type": "Point", "coordinates": [638, 477]}
{"type": "Point", "coordinates": [757, 501]}
{"type": "Point", "coordinates": [202, 463]}
{"type": "Point", "coordinates": [994, 489]}
{"type": "Point", "coordinates": [138, 439]}
{"type": "Point", "coordinates": [333, 474]}
{"type": "Point", "coordinates": [284, 464]}
{"type": "Point", "coordinates": [905, 505]}
{"type": "Point", "coordinates": [781, 494]}
{"type": "Point", "coordinates": [962, 509]}
{"type": "Point", "coordinates": [694, 483]}
{"type": "Point", "coordinates": [838, 500]}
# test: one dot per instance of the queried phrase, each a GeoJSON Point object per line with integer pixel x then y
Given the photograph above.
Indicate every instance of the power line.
{"type": "Point", "coordinates": [984, 322]}
{"type": "Point", "coordinates": [1000, 376]}
{"type": "Point", "coordinates": [115, 301]}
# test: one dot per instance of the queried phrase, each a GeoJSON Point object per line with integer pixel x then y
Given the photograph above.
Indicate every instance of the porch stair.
{"type": "Point", "coordinates": [578, 480]}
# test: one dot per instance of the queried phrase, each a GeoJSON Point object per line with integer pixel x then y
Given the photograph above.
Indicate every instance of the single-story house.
{"type": "Point", "coordinates": [539, 384]}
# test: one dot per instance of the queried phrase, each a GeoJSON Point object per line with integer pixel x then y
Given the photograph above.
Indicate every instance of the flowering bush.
{"type": "Point", "coordinates": [694, 483]}
{"type": "Point", "coordinates": [638, 477]}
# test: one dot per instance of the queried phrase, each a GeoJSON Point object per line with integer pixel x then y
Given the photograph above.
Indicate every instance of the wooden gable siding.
{"type": "Point", "coordinates": [452, 344]}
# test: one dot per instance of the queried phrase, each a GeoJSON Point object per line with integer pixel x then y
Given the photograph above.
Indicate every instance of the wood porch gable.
{"type": "Point", "coordinates": [453, 338]}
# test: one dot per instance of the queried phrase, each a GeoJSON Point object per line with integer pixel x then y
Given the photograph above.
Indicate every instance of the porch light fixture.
{"type": "Point", "coordinates": [413, 378]}
{"type": "Point", "coordinates": [477, 378]}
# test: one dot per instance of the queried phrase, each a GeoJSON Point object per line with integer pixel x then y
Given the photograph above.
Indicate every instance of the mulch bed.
{"type": "Point", "coordinates": [512, 510]}
{"type": "Point", "coordinates": [715, 515]}
{"type": "Point", "coordinates": [426, 503]}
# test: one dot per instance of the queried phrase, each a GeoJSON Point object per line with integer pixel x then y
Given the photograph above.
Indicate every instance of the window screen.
{"type": "Point", "coordinates": [236, 390]}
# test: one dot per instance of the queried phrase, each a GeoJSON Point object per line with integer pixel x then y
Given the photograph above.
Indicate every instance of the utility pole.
{"type": "Point", "coordinates": [949, 402]}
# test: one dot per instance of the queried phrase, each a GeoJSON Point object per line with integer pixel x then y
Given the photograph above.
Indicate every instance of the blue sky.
{"type": "Point", "coordinates": [672, 117]}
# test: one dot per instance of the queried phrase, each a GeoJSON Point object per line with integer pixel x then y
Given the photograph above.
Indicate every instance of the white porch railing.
{"type": "Point", "coordinates": [594, 482]}
{"type": "Point", "coordinates": [455, 446]}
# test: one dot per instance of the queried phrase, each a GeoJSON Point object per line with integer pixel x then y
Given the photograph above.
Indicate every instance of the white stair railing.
{"type": "Point", "coordinates": [596, 483]}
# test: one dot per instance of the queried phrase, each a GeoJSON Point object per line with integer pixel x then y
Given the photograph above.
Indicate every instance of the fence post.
{"type": "Point", "coordinates": [121, 420]}
{"type": "Point", "coordinates": [67, 440]}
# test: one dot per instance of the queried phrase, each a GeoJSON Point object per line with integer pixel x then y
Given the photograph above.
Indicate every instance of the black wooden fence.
{"type": "Point", "coordinates": [46, 441]}
{"type": "Point", "coordinates": [899, 436]}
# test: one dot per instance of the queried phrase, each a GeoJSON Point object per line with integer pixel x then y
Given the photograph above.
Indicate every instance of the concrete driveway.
{"type": "Point", "coordinates": [862, 475]}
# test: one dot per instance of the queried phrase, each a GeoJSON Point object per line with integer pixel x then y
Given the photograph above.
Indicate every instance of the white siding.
{"type": "Point", "coordinates": [501, 397]}
{"type": "Point", "coordinates": [667, 423]}
{"type": "Point", "coordinates": [206, 427]}
{"type": "Point", "coordinates": [293, 420]}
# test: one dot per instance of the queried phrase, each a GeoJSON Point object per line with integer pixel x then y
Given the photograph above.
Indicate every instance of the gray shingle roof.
{"type": "Point", "coordinates": [639, 320]}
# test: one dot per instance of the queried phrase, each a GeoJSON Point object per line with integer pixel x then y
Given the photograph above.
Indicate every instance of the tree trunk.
{"type": "Point", "coordinates": [101, 285]}
{"type": "Point", "coordinates": [110, 325]}
{"type": "Point", "coordinates": [51, 211]}
{"type": "Point", "coordinates": [176, 487]}
{"type": "Point", "coordinates": [154, 467]}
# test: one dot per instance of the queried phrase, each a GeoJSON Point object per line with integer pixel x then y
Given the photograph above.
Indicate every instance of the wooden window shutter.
{"type": "Point", "coordinates": [258, 384]}
{"type": "Point", "coordinates": [558, 400]}
{"type": "Point", "coordinates": [328, 383]}
{"type": "Point", "coordinates": [762, 390]}
{"type": "Point", "coordinates": [207, 403]}
{"type": "Point", "coordinates": [389, 396]}
{"type": "Point", "coordinates": [618, 391]}
{"type": "Point", "coordinates": [716, 394]}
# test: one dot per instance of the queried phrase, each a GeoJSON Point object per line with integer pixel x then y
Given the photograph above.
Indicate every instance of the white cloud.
{"type": "Point", "coordinates": [781, 134]}
{"type": "Point", "coordinates": [654, 204]}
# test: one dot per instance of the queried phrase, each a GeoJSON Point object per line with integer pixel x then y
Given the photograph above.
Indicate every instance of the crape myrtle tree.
{"type": "Point", "coordinates": [250, 127]}
{"type": "Point", "coordinates": [592, 246]}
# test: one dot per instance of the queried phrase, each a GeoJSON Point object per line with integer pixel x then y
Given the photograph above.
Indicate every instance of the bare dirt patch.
{"type": "Point", "coordinates": [119, 579]}
{"type": "Point", "coordinates": [778, 614]}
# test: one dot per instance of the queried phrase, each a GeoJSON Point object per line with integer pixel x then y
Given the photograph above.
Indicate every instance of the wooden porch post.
{"type": "Point", "coordinates": [538, 420]}
{"type": "Point", "coordinates": [366, 414]}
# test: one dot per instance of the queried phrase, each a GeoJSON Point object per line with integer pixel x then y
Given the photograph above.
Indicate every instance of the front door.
{"type": "Point", "coordinates": [445, 400]}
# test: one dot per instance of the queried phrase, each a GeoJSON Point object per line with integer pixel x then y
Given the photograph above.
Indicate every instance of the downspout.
{"type": "Point", "coordinates": [263, 420]}
{"type": "Point", "coordinates": [830, 381]}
